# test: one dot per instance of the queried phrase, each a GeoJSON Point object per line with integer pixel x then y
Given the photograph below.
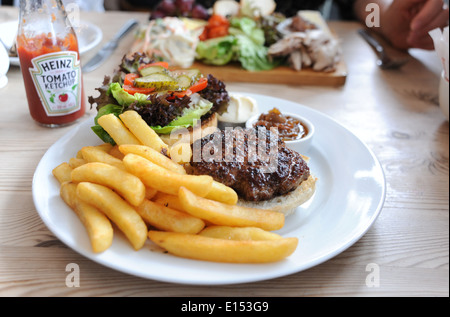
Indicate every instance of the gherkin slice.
{"type": "Point", "coordinates": [152, 70]}
{"type": "Point", "coordinates": [193, 73]}
{"type": "Point", "coordinates": [184, 82]}
{"type": "Point", "coordinates": [159, 81]}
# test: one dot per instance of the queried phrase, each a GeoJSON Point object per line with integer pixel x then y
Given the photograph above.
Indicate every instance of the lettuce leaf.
{"type": "Point", "coordinates": [98, 130]}
{"type": "Point", "coordinates": [253, 57]}
{"type": "Point", "coordinates": [244, 44]}
{"type": "Point", "coordinates": [248, 27]}
{"type": "Point", "coordinates": [198, 108]}
{"type": "Point", "coordinates": [189, 117]}
{"type": "Point", "coordinates": [124, 98]}
{"type": "Point", "coordinates": [218, 51]}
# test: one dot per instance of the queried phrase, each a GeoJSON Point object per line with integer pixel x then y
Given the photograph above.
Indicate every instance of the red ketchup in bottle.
{"type": "Point", "coordinates": [49, 58]}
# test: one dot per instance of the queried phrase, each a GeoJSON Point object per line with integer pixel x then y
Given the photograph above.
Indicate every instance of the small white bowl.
{"type": "Point", "coordinates": [300, 146]}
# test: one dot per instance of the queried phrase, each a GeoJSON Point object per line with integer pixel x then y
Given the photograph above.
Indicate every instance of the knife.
{"type": "Point", "coordinates": [385, 61]}
{"type": "Point", "coordinates": [109, 47]}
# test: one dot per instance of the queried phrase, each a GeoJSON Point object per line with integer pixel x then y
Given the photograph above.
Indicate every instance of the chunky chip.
{"type": "Point", "coordinates": [117, 210]}
{"type": "Point", "coordinates": [229, 215]}
{"type": "Point", "coordinates": [220, 250]}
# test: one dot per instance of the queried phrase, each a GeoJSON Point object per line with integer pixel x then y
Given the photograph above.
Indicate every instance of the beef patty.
{"type": "Point", "coordinates": [229, 156]}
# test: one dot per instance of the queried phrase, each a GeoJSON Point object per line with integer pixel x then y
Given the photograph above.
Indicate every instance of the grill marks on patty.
{"type": "Point", "coordinates": [225, 156]}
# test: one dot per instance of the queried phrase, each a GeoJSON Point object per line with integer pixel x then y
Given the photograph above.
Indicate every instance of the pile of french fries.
{"type": "Point", "coordinates": [149, 196]}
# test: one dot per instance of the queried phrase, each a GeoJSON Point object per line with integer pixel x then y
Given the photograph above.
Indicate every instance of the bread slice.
{"type": "Point", "coordinates": [288, 203]}
{"type": "Point", "coordinates": [226, 8]}
{"type": "Point", "coordinates": [257, 8]}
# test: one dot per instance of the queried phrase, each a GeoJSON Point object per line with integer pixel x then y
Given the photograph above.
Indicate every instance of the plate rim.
{"type": "Point", "coordinates": [238, 279]}
{"type": "Point", "coordinates": [97, 40]}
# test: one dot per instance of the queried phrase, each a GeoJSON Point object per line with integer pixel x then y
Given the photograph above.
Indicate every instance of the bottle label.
{"type": "Point", "coordinates": [57, 78]}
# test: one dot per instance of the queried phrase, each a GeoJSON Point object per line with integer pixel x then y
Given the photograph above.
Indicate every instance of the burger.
{"type": "Point", "coordinates": [257, 165]}
{"type": "Point", "coordinates": [167, 100]}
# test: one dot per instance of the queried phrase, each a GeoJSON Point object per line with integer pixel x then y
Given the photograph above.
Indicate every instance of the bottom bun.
{"type": "Point", "coordinates": [288, 203]}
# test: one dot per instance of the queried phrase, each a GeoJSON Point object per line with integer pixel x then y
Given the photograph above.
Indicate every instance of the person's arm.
{"type": "Point", "coordinates": [406, 23]}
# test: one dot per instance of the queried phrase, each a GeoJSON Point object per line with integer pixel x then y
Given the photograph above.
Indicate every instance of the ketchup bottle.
{"type": "Point", "coordinates": [49, 58]}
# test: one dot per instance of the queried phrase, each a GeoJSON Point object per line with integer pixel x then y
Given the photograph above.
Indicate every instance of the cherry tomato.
{"type": "Point", "coordinates": [199, 86]}
{"type": "Point", "coordinates": [163, 64]}
{"type": "Point", "coordinates": [129, 79]}
{"type": "Point", "coordinates": [218, 31]}
{"type": "Point", "coordinates": [218, 20]}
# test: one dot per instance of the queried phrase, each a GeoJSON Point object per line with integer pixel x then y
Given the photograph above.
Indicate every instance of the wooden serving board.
{"type": "Point", "coordinates": [279, 75]}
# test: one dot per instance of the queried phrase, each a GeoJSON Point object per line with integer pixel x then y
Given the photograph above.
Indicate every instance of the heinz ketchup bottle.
{"type": "Point", "coordinates": [49, 58]}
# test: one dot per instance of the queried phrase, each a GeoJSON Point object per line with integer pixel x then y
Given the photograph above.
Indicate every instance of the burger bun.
{"type": "Point", "coordinates": [288, 203]}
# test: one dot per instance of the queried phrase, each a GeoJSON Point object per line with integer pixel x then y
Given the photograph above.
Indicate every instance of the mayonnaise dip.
{"type": "Point", "coordinates": [240, 109]}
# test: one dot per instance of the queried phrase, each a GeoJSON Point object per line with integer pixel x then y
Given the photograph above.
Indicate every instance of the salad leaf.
{"type": "Point", "coordinates": [218, 51]}
{"type": "Point", "coordinates": [189, 117]}
{"type": "Point", "coordinates": [104, 97]}
{"type": "Point", "coordinates": [198, 107]}
{"type": "Point", "coordinates": [245, 43]}
{"type": "Point", "coordinates": [124, 98]}
{"type": "Point", "coordinates": [250, 45]}
{"type": "Point", "coordinates": [98, 130]}
{"type": "Point", "coordinates": [248, 27]}
{"type": "Point", "coordinates": [253, 57]}
{"type": "Point", "coordinates": [131, 64]}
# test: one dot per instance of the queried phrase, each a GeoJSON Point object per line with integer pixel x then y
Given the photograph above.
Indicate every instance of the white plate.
{"type": "Point", "coordinates": [350, 194]}
{"type": "Point", "coordinates": [89, 36]}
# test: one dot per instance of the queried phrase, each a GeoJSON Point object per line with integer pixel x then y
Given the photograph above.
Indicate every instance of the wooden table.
{"type": "Point", "coordinates": [393, 112]}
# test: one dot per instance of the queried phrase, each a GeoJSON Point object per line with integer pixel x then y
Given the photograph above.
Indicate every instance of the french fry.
{"type": "Point", "coordinates": [153, 156]}
{"type": "Point", "coordinates": [117, 210]}
{"type": "Point", "coordinates": [168, 219]}
{"type": "Point", "coordinates": [181, 153]}
{"type": "Point", "coordinates": [220, 250]}
{"type": "Point", "coordinates": [104, 147]}
{"type": "Point", "coordinates": [222, 193]}
{"type": "Point", "coordinates": [62, 172]}
{"type": "Point", "coordinates": [125, 184]}
{"type": "Point", "coordinates": [150, 193]}
{"type": "Point", "coordinates": [117, 130]}
{"type": "Point", "coordinates": [68, 193]}
{"type": "Point", "coordinates": [75, 162]}
{"type": "Point", "coordinates": [79, 155]}
{"type": "Point", "coordinates": [116, 153]}
{"type": "Point", "coordinates": [168, 200]}
{"type": "Point", "coordinates": [164, 180]}
{"type": "Point", "coordinates": [140, 129]}
{"type": "Point", "coordinates": [95, 154]}
{"type": "Point", "coordinates": [98, 226]}
{"type": "Point", "coordinates": [239, 233]}
{"type": "Point", "coordinates": [229, 215]}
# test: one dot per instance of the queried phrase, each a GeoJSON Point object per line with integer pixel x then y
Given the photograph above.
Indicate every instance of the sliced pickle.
{"type": "Point", "coordinates": [194, 74]}
{"type": "Point", "coordinates": [158, 81]}
{"type": "Point", "coordinates": [184, 82]}
{"type": "Point", "coordinates": [152, 70]}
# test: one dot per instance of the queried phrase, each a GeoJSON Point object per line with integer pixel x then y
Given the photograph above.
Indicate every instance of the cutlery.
{"type": "Point", "coordinates": [384, 60]}
{"type": "Point", "coordinates": [109, 47]}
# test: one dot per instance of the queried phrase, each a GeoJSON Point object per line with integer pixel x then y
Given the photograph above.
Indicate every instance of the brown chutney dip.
{"type": "Point", "coordinates": [289, 128]}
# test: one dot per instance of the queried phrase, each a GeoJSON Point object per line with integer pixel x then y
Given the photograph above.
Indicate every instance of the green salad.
{"type": "Point", "coordinates": [244, 44]}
